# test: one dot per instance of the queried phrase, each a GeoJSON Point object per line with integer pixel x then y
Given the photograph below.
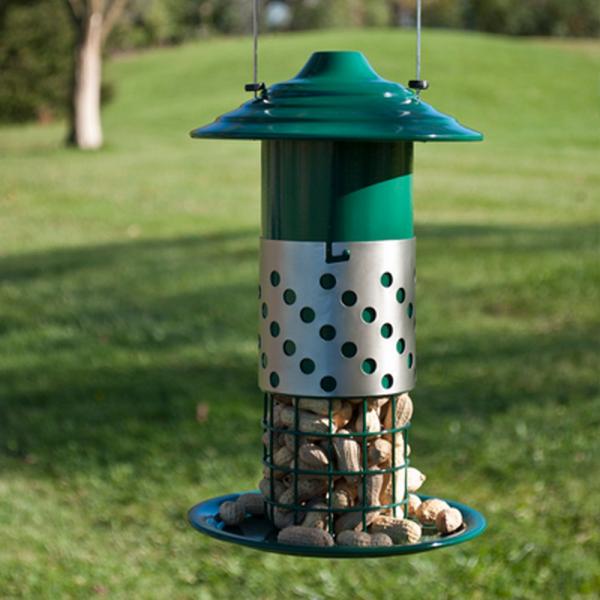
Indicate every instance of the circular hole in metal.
{"type": "Point", "coordinates": [307, 366]}
{"type": "Point", "coordinates": [369, 314]}
{"type": "Point", "coordinates": [289, 348]}
{"type": "Point", "coordinates": [386, 279]}
{"type": "Point", "coordinates": [259, 342]}
{"type": "Point", "coordinates": [349, 298]}
{"type": "Point", "coordinates": [259, 292]}
{"type": "Point", "coordinates": [410, 310]}
{"type": "Point", "coordinates": [307, 314]}
{"type": "Point", "coordinates": [327, 332]}
{"type": "Point", "coordinates": [400, 345]}
{"type": "Point", "coordinates": [327, 281]}
{"type": "Point", "coordinates": [274, 379]}
{"type": "Point", "coordinates": [368, 366]}
{"type": "Point", "coordinates": [274, 328]}
{"type": "Point", "coordinates": [264, 309]}
{"type": "Point", "coordinates": [400, 295]}
{"type": "Point", "coordinates": [387, 381]}
{"type": "Point", "coordinates": [349, 349]}
{"type": "Point", "coordinates": [263, 360]}
{"type": "Point", "coordinates": [387, 330]}
{"type": "Point", "coordinates": [410, 360]}
{"type": "Point", "coordinates": [328, 384]}
{"type": "Point", "coordinates": [275, 278]}
{"type": "Point", "coordinates": [289, 297]}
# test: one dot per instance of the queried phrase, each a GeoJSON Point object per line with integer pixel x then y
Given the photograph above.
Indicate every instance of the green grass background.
{"type": "Point", "coordinates": [127, 296]}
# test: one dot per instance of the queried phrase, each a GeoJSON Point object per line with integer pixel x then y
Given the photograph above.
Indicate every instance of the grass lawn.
{"type": "Point", "coordinates": [127, 297]}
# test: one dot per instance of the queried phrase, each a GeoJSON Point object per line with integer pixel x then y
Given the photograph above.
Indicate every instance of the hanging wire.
{"type": "Point", "coordinates": [255, 86]}
{"type": "Point", "coordinates": [418, 84]}
{"type": "Point", "coordinates": [255, 48]}
{"type": "Point", "coordinates": [419, 8]}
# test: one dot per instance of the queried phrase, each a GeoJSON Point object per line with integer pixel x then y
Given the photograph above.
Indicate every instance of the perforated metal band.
{"type": "Point", "coordinates": [331, 327]}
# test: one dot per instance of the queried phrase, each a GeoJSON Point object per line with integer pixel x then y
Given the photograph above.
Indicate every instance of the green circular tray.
{"type": "Point", "coordinates": [258, 533]}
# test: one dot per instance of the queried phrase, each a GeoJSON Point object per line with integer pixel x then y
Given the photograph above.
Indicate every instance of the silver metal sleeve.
{"type": "Point", "coordinates": [337, 329]}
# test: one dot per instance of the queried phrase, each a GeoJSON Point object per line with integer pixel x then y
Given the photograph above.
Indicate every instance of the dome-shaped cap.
{"type": "Point", "coordinates": [338, 95]}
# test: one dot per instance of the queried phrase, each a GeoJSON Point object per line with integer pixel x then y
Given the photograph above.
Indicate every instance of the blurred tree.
{"type": "Point", "coordinates": [356, 12]}
{"type": "Point", "coordinates": [436, 13]}
{"type": "Point", "coordinates": [534, 17]}
{"type": "Point", "coordinates": [208, 16]}
{"type": "Point", "coordinates": [149, 23]}
{"type": "Point", "coordinates": [401, 12]}
{"type": "Point", "coordinates": [313, 14]}
{"type": "Point", "coordinates": [375, 13]}
{"type": "Point", "coordinates": [36, 43]}
{"type": "Point", "coordinates": [93, 21]}
{"type": "Point", "coordinates": [443, 13]}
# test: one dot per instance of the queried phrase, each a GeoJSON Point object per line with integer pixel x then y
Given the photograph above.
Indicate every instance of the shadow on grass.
{"type": "Point", "coordinates": [108, 349]}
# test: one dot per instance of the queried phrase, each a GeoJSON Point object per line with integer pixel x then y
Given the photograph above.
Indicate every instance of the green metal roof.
{"type": "Point", "coordinates": [338, 95]}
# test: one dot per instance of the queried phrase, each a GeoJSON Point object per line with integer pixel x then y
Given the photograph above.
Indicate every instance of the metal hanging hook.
{"type": "Point", "coordinates": [418, 84]}
{"type": "Point", "coordinates": [255, 86]}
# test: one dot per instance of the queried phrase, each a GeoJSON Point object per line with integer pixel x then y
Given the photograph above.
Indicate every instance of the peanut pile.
{"type": "Point", "coordinates": [309, 526]}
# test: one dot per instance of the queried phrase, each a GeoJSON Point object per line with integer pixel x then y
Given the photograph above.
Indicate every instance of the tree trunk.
{"type": "Point", "coordinates": [86, 127]}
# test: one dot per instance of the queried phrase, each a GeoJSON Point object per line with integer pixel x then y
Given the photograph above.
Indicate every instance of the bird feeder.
{"type": "Point", "coordinates": [336, 305]}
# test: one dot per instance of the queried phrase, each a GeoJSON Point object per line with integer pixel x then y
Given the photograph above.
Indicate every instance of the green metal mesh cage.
{"type": "Point", "coordinates": [296, 505]}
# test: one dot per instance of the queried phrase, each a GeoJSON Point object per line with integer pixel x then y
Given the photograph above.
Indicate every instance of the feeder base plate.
{"type": "Point", "coordinates": [259, 533]}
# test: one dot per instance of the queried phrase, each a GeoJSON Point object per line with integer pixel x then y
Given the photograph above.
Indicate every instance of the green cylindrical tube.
{"type": "Point", "coordinates": [327, 190]}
